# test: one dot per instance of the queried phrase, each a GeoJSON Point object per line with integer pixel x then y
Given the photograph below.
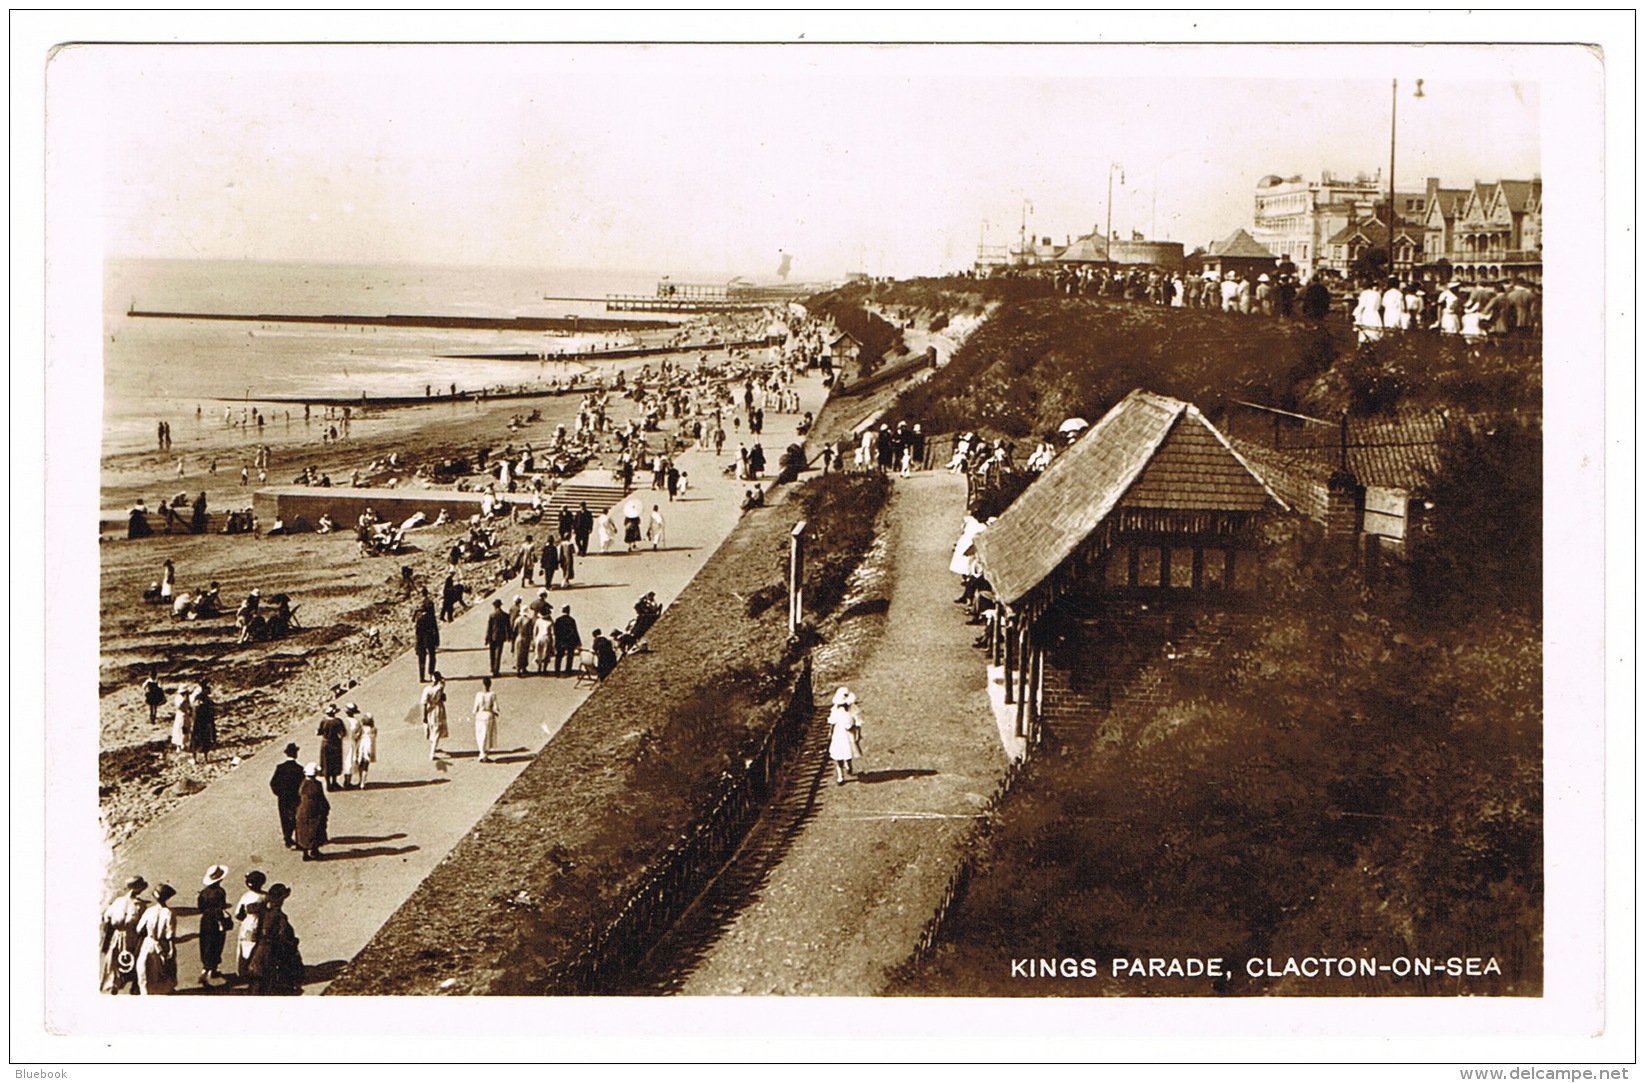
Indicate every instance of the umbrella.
{"type": "Point", "coordinates": [1074, 424]}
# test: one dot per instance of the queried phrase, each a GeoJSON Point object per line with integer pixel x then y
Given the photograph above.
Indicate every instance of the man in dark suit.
{"type": "Point", "coordinates": [288, 777]}
{"type": "Point", "coordinates": [582, 526]}
{"type": "Point", "coordinates": [497, 632]}
{"type": "Point", "coordinates": [567, 641]}
{"type": "Point", "coordinates": [551, 560]}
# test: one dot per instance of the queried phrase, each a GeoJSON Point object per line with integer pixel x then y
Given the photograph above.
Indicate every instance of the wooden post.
{"type": "Point", "coordinates": [796, 577]}
{"type": "Point", "coordinates": [1024, 652]}
{"type": "Point", "coordinates": [1009, 658]}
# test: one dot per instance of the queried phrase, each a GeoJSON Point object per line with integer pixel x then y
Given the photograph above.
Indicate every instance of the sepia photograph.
{"type": "Point", "coordinates": [686, 536]}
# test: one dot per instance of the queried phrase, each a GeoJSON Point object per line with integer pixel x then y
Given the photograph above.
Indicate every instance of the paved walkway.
{"type": "Point", "coordinates": [387, 838]}
{"type": "Point", "coordinates": [870, 859]}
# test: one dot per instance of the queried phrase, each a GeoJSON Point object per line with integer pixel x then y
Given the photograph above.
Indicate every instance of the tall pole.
{"type": "Point", "coordinates": [1108, 233]}
{"type": "Point", "coordinates": [1393, 115]}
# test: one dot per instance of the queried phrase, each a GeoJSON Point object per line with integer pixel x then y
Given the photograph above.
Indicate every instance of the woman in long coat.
{"type": "Point", "coordinates": [524, 628]}
{"type": "Point", "coordinates": [276, 965]}
{"type": "Point", "coordinates": [844, 743]}
{"type": "Point", "coordinates": [157, 958]}
{"type": "Point", "coordinates": [332, 731]}
{"type": "Point", "coordinates": [212, 902]}
{"type": "Point", "coordinates": [203, 727]}
{"type": "Point", "coordinates": [313, 809]}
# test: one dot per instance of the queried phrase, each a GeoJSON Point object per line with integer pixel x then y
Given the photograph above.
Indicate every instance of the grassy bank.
{"type": "Point", "coordinates": [628, 775]}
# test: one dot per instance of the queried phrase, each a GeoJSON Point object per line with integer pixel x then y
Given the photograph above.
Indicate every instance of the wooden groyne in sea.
{"type": "Point", "coordinates": [536, 324]}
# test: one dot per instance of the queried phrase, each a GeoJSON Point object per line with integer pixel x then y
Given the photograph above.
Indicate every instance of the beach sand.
{"type": "Point", "coordinates": [341, 596]}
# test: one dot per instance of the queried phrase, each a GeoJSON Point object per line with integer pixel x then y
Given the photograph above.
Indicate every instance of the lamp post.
{"type": "Point", "coordinates": [1108, 234]}
{"type": "Point", "coordinates": [1393, 118]}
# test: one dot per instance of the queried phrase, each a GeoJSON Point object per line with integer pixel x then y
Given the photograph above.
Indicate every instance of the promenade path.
{"type": "Point", "coordinates": [387, 838]}
{"type": "Point", "coordinates": [864, 866]}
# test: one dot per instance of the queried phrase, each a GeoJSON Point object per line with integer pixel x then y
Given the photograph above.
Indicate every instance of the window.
{"type": "Point", "coordinates": [1214, 570]}
{"type": "Point", "coordinates": [1117, 572]}
{"type": "Point", "coordinates": [1182, 569]}
{"type": "Point", "coordinates": [1148, 566]}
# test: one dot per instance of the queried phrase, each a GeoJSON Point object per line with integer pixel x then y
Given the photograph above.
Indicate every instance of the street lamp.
{"type": "Point", "coordinates": [1393, 117]}
{"type": "Point", "coordinates": [1108, 235]}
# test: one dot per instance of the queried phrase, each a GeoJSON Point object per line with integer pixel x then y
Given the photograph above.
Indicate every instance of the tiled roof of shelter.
{"type": "Point", "coordinates": [1149, 451]}
{"type": "Point", "coordinates": [1391, 453]}
{"type": "Point", "coordinates": [1240, 245]}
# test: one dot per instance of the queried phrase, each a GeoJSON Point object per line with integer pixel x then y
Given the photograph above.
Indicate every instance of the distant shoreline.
{"type": "Point", "coordinates": [469, 323]}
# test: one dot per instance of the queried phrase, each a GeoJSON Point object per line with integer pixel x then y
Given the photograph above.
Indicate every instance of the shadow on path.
{"type": "Point", "coordinates": [892, 776]}
{"type": "Point", "coordinates": [404, 784]}
{"type": "Point", "coordinates": [370, 851]}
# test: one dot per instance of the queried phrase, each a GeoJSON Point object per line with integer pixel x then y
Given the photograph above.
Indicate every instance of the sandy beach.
{"type": "Point", "coordinates": [352, 608]}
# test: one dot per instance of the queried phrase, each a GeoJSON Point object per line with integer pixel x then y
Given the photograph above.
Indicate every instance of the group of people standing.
{"type": "Point", "coordinates": [1477, 312]}
{"type": "Point", "coordinates": [138, 941]}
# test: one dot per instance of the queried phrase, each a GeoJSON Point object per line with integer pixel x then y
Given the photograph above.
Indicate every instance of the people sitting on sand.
{"type": "Point", "coordinates": [137, 525]}
{"type": "Point", "coordinates": [326, 524]}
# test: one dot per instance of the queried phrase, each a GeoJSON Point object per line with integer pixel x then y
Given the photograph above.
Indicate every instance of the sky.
{"type": "Point", "coordinates": [715, 159]}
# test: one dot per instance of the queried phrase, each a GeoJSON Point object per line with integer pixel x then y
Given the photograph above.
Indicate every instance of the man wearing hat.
{"type": "Point", "coordinates": [498, 631]}
{"type": "Point", "coordinates": [567, 641]}
{"type": "Point", "coordinates": [331, 733]}
{"type": "Point", "coordinates": [287, 780]}
{"type": "Point", "coordinates": [120, 940]}
{"type": "Point", "coordinates": [249, 913]}
{"type": "Point", "coordinates": [212, 902]}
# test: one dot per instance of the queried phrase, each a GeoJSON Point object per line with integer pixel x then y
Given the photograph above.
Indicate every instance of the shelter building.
{"type": "Point", "coordinates": [1239, 254]}
{"type": "Point", "coordinates": [1149, 511]}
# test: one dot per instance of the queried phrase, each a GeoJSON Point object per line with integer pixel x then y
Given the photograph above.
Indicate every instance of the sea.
{"type": "Point", "coordinates": [189, 372]}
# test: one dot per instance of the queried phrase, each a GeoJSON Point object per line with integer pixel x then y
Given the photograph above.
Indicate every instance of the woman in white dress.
{"type": "Point", "coordinates": [654, 530]}
{"type": "Point", "coordinates": [845, 740]}
{"type": "Point", "coordinates": [1368, 314]}
{"type": "Point", "coordinates": [368, 747]}
{"type": "Point", "coordinates": [182, 723]}
{"type": "Point", "coordinates": [542, 642]}
{"type": "Point", "coordinates": [1450, 310]}
{"type": "Point", "coordinates": [434, 714]}
{"type": "Point", "coordinates": [157, 958]}
{"type": "Point", "coordinates": [485, 720]}
{"type": "Point", "coordinates": [351, 744]}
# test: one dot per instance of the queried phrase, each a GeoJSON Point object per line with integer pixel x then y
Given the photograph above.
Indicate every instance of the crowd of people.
{"type": "Point", "coordinates": [138, 938]}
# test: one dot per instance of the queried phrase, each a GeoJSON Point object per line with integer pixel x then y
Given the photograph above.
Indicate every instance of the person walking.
{"type": "Point", "coordinates": [631, 524]}
{"type": "Point", "coordinates": [434, 714]}
{"type": "Point", "coordinates": [203, 726]}
{"type": "Point", "coordinates": [427, 629]}
{"type": "Point", "coordinates": [313, 810]}
{"type": "Point", "coordinates": [276, 965]}
{"type": "Point", "coordinates": [845, 740]}
{"type": "Point", "coordinates": [120, 940]}
{"type": "Point", "coordinates": [655, 528]}
{"type": "Point", "coordinates": [485, 719]}
{"type": "Point", "coordinates": [568, 558]}
{"type": "Point", "coordinates": [154, 695]}
{"type": "Point", "coordinates": [331, 732]}
{"type": "Point", "coordinates": [528, 560]}
{"type": "Point", "coordinates": [182, 723]}
{"type": "Point", "coordinates": [368, 747]}
{"type": "Point", "coordinates": [351, 744]}
{"type": "Point", "coordinates": [582, 527]}
{"type": "Point", "coordinates": [567, 641]}
{"type": "Point", "coordinates": [550, 558]}
{"type": "Point", "coordinates": [249, 913]}
{"type": "Point", "coordinates": [524, 629]}
{"type": "Point", "coordinates": [286, 786]}
{"type": "Point", "coordinates": [157, 957]}
{"type": "Point", "coordinates": [168, 582]}
{"type": "Point", "coordinates": [542, 639]}
{"type": "Point", "coordinates": [498, 630]}
{"type": "Point", "coordinates": [212, 904]}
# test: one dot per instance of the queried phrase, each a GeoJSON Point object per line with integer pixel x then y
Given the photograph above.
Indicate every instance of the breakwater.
{"type": "Point", "coordinates": [464, 323]}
